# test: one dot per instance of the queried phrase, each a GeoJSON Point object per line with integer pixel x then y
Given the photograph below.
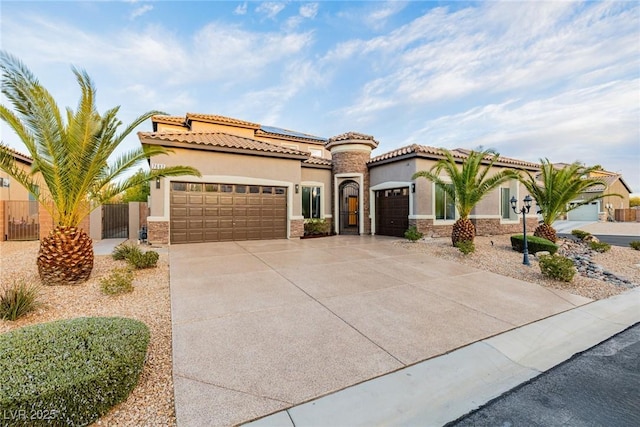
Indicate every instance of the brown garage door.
{"type": "Point", "coordinates": [227, 212]}
{"type": "Point", "coordinates": [392, 212]}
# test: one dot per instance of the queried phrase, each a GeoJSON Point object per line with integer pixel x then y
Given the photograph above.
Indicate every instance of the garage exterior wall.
{"type": "Point", "coordinates": [217, 167]}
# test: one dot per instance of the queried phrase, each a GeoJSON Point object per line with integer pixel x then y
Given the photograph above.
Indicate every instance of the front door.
{"type": "Point", "coordinates": [349, 205]}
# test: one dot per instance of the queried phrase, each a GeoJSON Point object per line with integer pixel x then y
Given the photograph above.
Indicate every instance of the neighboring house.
{"type": "Point", "coordinates": [19, 212]}
{"type": "Point", "coordinates": [602, 208]}
{"type": "Point", "coordinates": [263, 182]}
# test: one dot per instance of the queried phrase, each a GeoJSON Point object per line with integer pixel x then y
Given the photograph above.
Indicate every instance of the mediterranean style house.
{"type": "Point", "coordinates": [263, 182]}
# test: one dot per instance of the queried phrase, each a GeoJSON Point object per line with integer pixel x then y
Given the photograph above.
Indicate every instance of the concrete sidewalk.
{"type": "Point", "coordinates": [268, 327]}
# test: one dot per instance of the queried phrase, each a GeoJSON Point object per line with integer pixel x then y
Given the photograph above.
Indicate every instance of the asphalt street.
{"type": "Point", "coordinates": [598, 387]}
{"type": "Point", "coordinates": [612, 240]}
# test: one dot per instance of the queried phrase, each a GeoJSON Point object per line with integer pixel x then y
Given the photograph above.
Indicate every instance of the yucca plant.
{"type": "Point", "coordinates": [71, 173]}
{"type": "Point", "coordinates": [471, 183]}
{"type": "Point", "coordinates": [555, 188]}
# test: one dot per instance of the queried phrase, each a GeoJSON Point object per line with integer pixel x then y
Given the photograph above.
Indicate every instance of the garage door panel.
{"type": "Point", "coordinates": [178, 211]}
{"type": "Point", "coordinates": [179, 198]}
{"type": "Point", "coordinates": [226, 212]}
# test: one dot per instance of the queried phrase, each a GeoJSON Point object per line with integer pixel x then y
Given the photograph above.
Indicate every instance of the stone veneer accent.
{"type": "Point", "coordinates": [350, 153]}
{"type": "Point", "coordinates": [296, 229]}
{"type": "Point", "coordinates": [355, 162]}
{"type": "Point", "coordinates": [484, 227]}
{"type": "Point", "coordinates": [158, 232]}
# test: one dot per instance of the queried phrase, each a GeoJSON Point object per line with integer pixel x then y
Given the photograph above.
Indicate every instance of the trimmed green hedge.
{"type": "Point", "coordinates": [534, 244]}
{"type": "Point", "coordinates": [69, 372]}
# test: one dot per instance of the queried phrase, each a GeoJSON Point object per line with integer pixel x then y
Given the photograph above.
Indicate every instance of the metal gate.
{"type": "Point", "coordinates": [115, 221]}
{"type": "Point", "coordinates": [22, 222]}
{"type": "Point", "coordinates": [349, 202]}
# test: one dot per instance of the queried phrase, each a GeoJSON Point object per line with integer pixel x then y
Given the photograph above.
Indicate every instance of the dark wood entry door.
{"type": "Point", "coordinates": [392, 211]}
{"type": "Point", "coordinates": [349, 205]}
{"type": "Point", "coordinates": [214, 212]}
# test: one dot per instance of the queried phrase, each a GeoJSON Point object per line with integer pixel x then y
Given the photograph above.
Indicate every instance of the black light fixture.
{"type": "Point", "coordinates": [413, 188]}
{"type": "Point", "coordinates": [524, 210]}
{"type": "Point", "coordinates": [297, 188]}
{"type": "Point", "coordinates": [157, 182]}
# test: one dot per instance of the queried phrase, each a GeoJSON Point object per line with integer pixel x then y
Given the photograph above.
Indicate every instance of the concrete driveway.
{"type": "Point", "coordinates": [262, 326]}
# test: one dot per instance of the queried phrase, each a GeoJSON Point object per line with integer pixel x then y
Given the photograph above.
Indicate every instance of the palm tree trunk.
{"type": "Point", "coordinates": [546, 232]}
{"type": "Point", "coordinates": [65, 257]}
{"type": "Point", "coordinates": [463, 231]}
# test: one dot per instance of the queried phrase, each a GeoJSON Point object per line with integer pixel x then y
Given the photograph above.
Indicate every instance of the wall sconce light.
{"type": "Point", "coordinates": [157, 182]}
{"type": "Point", "coordinates": [413, 188]}
{"type": "Point", "coordinates": [297, 188]}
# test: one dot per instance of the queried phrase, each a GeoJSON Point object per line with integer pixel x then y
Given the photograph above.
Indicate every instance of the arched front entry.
{"type": "Point", "coordinates": [349, 208]}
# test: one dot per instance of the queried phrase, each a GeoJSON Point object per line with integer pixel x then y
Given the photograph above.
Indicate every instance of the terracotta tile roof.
{"type": "Point", "coordinates": [178, 120]}
{"type": "Point", "coordinates": [318, 161]}
{"type": "Point", "coordinates": [24, 158]}
{"type": "Point", "coordinates": [349, 136]}
{"type": "Point", "coordinates": [212, 118]}
{"type": "Point", "coordinates": [223, 140]}
{"type": "Point", "coordinates": [289, 134]}
{"type": "Point", "coordinates": [607, 181]}
{"type": "Point", "coordinates": [416, 150]}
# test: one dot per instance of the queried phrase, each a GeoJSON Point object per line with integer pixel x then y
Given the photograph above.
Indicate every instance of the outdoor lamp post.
{"type": "Point", "coordinates": [524, 211]}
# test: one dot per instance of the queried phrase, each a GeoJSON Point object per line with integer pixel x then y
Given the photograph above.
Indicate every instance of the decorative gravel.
{"type": "Point", "coordinates": [494, 254]}
{"type": "Point", "coordinates": [151, 402]}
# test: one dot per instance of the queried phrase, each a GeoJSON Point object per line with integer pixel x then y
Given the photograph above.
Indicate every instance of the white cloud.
{"type": "Point", "coordinates": [241, 9]}
{"type": "Point", "coordinates": [378, 17]}
{"type": "Point", "coordinates": [309, 10]}
{"type": "Point", "coordinates": [270, 8]}
{"type": "Point", "coordinates": [140, 11]}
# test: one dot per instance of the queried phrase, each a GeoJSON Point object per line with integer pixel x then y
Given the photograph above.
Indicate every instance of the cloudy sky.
{"type": "Point", "coordinates": [556, 79]}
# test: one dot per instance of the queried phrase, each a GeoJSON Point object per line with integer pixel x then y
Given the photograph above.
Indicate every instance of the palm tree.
{"type": "Point", "coordinates": [70, 155]}
{"type": "Point", "coordinates": [555, 188]}
{"type": "Point", "coordinates": [470, 184]}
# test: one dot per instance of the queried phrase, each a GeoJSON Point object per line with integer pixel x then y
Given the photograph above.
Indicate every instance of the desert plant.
{"type": "Point", "coordinates": [147, 259]}
{"type": "Point", "coordinates": [599, 246]}
{"type": "Point", "coordinates": [580, 234]}
{"type": "Point", "coordinates": [316, 226]}
{"type": "Point", "coordinates": [557, 267]}
{"type": "Point", "coordinates": [73, 370]}
{"type": "Point", "coordinates": [124, 250]}
{"type": "Point", "coordinates": [70, 173]}
{"type": "Point", "coordinates": [412, 234]}
{"type": "Point", "coordinates": [17, 299]}
{"type": "Point", "coordinates": [466, 247]}
{"type": "Point", "coordinates": [635, 245]}
{"type": "Point", "coordinates": [119, 281]}
{"type": "Point", "coordinates": [555, 188]}
{"type": "Point", "coordinates": [534, 244]}
{"type": "Point", "coordinates": [470, 184]}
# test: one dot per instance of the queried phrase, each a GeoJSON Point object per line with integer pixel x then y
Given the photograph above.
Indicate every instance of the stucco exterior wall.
{"type": "Point", "coordinates": [227, 168]}
{"type": "Point", "coordinates": [214, 127]}
{"type": "Point", "coordinates": [616, 202]}
{"type": "Point", "coordinates": [14, 191]}
{"type": "Point", "coordinates": [164, 127]}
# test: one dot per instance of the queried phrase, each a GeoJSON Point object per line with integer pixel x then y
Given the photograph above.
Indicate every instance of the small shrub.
{"type": "Point", "coordinates": [147, 259]}
{"type": "Point", "coordinates": [124, 250]}
{"type": "Point", "coordinates": [635, 245]}
{"type": "Point", "coordinates": [534, 244]}
{"type": "Point", "coordinates": [315, 227]}
{"type": "Point", "coordinates": [73, 371]}
{"type": "Point", "coordinates": [120, 281]}
{"type": "Point", "coordinates": [580, 234]}
{"type": "Point", "coordinates": [599, 246]}
{"type": "Point", "coordinates": [413, 234]}
{"type": "Point", "coordinates": [466, 247]}
{"type": "Point", "coordinates": [18, 299]}
{"type": "Point", "coordinates": [557, 267]}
